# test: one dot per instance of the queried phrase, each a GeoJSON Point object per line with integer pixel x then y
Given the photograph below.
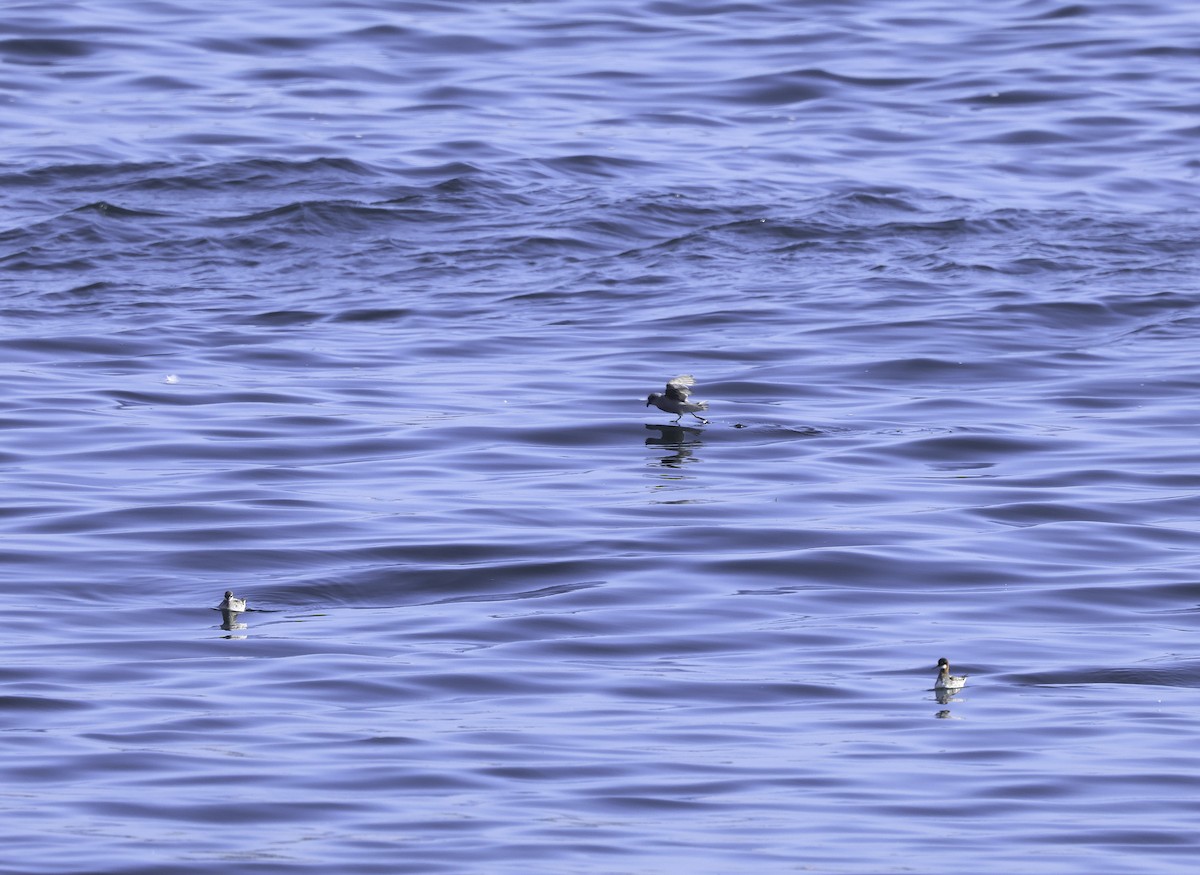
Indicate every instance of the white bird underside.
{"type": "Point", "coordinates": [232, 604]}
{"type": "Point", "coordinates": [947, 681]}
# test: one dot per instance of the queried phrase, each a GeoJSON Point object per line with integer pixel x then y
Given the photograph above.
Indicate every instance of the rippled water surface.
{"type": "Point", "coordinates": [353, 308]}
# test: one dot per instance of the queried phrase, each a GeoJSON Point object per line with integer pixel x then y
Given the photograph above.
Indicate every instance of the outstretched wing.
{"type": "Point", "coordinates": [678, 388]}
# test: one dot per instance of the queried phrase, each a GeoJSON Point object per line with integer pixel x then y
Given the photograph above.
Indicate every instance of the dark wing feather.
{"type": "Point", "coordinates": [678, 388]}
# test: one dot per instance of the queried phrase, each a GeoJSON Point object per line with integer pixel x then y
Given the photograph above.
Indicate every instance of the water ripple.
{"type": "Point", "coordinates": [354, 311]}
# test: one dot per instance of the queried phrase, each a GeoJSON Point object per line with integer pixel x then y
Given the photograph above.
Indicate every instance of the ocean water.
{"type": "Point", "coordinates": [353, 308]}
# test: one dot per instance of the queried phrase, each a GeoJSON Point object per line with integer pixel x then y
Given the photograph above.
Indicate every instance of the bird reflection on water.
{"type": "Point", "coordinates": [230, 622]}
{"type": "Point", "coordinates": [680, 439]}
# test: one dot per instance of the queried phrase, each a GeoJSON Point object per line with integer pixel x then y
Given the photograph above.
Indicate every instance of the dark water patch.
{"type": "Point", "coordinates": [50, 176]}
{"type": "Point", "coordinates": [464, 684]}
{"type": "Point", "coordinates": [283, 318]}
{"type": "Point", "coordinates": [270, 171]}
{"type": "Point", "coordinates": [776, 89]}
{"type": "Point", "coordinates": [68, 348]}
{"type": "Point", "coordinates": [673, 118]}
{"type": "Point", "coordinates": [211, 813]}
{"type": "Point", "coordinates": [385, 33]}
{"type": "Point", "coordinates": [103, 208]}
{"type": "Point", "coordinates": [1033, 137]}
{"type": "Point", "coordinates": [1171, 51]}
{"type": "Point", "coordinates": [317, 217]}
{"type": "Point", "coordinates": [594, 165]}
{"type": "Point", "coordinates": [43, 50]}
{"type": "Point", "coordinates": [336, 73]}
{"type": "Point", "coordinates": [191, 398]}
{"type": "Point", "coordinates": [220, 139]}
{"type": "Point", "coordinates": [373, 315]}
{"type": "Point", "coordinates": [538, 593]}
{"type": "Point", "coordinates": [159, 83]}
{"type": "Point", "coordinates": [1023, 97]}
{"type": "Point", "coordinates": [1155, 676]}
{"type": "Point", "coordinates": [894, 570]}
{"type": "Point", "coordinates": [452, 573]}
{"type": "Point", "coordinates": [1100, 542]}
{"type": "Point", "coordinates": [1037, 513]}
{"type": "Point", "coordinates": [199, 520]}
{"type": "Point", "coordinates": [944, 449]}
{"type": "Point", "coordinates": [742, 694]}
{"type": "Point", "coordinates": [37, 704]}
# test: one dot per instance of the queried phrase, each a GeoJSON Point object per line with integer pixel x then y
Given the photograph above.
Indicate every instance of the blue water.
{"type": "Point", "coordinates": [353, 308]}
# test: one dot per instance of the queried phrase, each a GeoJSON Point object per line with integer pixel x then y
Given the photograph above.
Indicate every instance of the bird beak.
{"type": "Point", "coordinates": [647, 403]}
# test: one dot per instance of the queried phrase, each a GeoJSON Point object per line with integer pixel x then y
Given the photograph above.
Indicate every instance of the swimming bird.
{"type": "Point", "coordinates": [675, 399]}
{"type": "Point", "coordinates": [231, 603]}
{"type": "Point", "coordinates": [945, 680]}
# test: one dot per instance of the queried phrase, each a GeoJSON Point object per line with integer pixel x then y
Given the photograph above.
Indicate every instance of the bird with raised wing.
{"type": "Point", "coordinates": [675, 398]}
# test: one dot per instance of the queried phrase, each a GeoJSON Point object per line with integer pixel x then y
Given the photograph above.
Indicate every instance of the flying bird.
{"type": "Point", "coordinates": [675, 398]}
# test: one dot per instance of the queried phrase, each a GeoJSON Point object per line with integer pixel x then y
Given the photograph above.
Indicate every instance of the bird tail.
{"type": "Point", "coordinates": [703, 405]}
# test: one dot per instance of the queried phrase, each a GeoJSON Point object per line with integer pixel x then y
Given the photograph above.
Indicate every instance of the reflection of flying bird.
{"type": "Point", "coordinates": [945, 680]}
{"type": "Point", "coordinates": [675, 399]}
{"type": "Point", "coordinates": [231, 603]}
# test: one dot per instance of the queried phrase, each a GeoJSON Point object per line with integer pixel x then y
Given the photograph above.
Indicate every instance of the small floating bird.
{"type": "Point", "coordinates": [232, 604]}
{"type": "Point", "coordinates": [675, 399]}
{"type": "Point", "coordinates": [945, 680]}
